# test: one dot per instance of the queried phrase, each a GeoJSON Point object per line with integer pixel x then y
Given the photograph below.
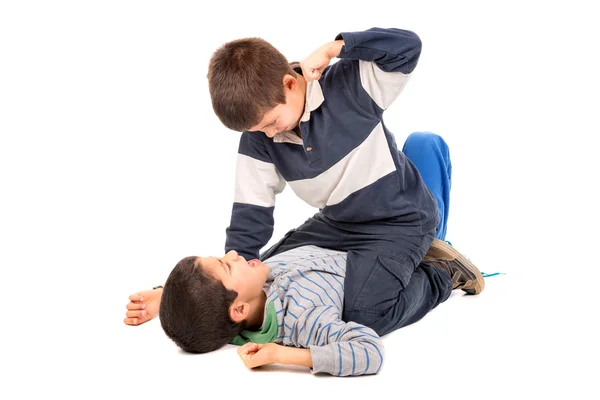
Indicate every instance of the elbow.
{"type": "Point", "coordinates": [417, 44]}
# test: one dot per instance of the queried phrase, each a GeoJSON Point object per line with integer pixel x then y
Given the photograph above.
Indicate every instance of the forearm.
{"type": "Point", "coordinates": [393, 50]}
{"type": "Point", "coordinates": [334, 48]}
{"type": "Point", "coordinates": [257, 184]}
{"type": "Point", "coordinates": [250, 229]}
{"type": "Point", "coordinates": [294, 356]}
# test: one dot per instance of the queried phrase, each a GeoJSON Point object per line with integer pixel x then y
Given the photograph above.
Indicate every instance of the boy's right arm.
{"type": "Point", "coordinates": [337, 347]}
{"type": "Point", "coordinates": [256, 185]}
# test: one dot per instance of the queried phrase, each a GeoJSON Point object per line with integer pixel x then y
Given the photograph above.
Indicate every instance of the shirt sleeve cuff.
{"type": "Point", "coordinates": [322, 359]}
{"type": "Point", "coordinates": [348, 39]}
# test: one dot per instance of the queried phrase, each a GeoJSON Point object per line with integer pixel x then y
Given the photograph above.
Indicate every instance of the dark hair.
{"type": "Point", "coordinates": [194, 309]}
{"type": "Point", "coordinates": [245, 80]}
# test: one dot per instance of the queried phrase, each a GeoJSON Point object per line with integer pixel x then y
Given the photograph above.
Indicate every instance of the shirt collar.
{"type": "Point", "coordinates": [314, 99]}
{"type": "Point", "coordinates": [314, 94]}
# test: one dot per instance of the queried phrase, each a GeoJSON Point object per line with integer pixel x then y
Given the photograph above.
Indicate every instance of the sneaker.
{"type": "Point", "coordinates": [465, 275]}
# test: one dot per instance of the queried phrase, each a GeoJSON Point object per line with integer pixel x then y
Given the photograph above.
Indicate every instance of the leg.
{"type": "Point", "coordinates": [427, 283]}
{"type": "Point", "coordinates": [387, 286]}
{"type": "Point", "coordinates": [430, 154]}
{"type": "Point", "coordinates": [401, 288]}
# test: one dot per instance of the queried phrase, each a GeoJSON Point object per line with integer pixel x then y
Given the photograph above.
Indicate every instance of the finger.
{"type": "Point", "coordinates": [136, 297]}
{"type": "Point", "coordinates": [248, 349]}
{"type": "Point", "coordinates": [135, 306]}
{"type": "Point", "coordinates": [306, 72]}
{"type": "Point", "coordinates": [136, 314]}
{"type": "Point", "coordinates": [244, 348]}
{"type": "Point", "coordinates": [247, 358]}
{"type": "Point", "coordinates": [132, 321]}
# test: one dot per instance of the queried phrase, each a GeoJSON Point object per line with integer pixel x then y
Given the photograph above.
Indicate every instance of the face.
{"type": "Point", "coordinates": [284, 117]}
{"type": "Point", "coordinates": [247, 278]}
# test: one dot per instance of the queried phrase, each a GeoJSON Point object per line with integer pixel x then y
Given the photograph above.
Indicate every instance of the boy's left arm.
{"type": "Point", "coordinates": [382, 61]}
{"type": "Point", "coordinates": [323, 344]}
{"type": "Point", "coordinates": [256, 355]}
{"type": "Point", "coordinates": [386, 59]}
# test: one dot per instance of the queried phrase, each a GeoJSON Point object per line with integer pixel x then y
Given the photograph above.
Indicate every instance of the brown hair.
{"type": "Point", "coordinates": [245, 80]}
{"type": "Point", "coordinates": [194, 309]}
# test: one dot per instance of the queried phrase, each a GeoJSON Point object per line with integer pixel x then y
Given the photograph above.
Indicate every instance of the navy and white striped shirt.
{"type": "Point", "coordinates": [347, 163]}
{"type": "Point", "coordinates": [306, 287]}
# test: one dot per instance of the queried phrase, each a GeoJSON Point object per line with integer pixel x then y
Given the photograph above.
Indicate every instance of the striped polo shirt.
{"type": "Point", "coordinates": [346, 163]}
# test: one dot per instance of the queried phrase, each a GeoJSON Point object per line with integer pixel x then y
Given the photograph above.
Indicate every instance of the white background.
{"type": "Point", "coordinates": [113, 167]}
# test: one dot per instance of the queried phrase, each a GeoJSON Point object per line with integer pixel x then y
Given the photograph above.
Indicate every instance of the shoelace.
{"type": "Point", "coordinates": [485, 275]}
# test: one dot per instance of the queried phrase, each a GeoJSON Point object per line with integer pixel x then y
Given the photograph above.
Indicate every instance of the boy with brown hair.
{"type": "Point", "coordinates": [320, 129]}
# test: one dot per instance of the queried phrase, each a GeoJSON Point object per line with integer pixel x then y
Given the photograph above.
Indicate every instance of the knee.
{"type": "Point", "coordinates": [425, 139]}
{"type": "Point", "coordinates": [423, 142]}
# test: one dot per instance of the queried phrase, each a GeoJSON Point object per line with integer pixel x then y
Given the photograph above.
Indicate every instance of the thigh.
{"type": "Point", "coordinates": [377, 270]}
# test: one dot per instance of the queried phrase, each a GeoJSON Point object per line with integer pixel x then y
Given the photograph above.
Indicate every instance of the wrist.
{"type": "Point", "coordinates": [335, 48]}
{"type": "Point", "coordinates": [277, 356]}
{"type": "Point", "coordinates": [293, 356]}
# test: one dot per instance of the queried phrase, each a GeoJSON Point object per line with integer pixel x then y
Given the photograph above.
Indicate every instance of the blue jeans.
{"type": "Point", "coordinates": [387, 286]}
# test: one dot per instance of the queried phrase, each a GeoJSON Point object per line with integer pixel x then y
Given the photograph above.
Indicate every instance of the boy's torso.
{"type": "Point", "coordinates": [347, 163]}
{"type": "Point", "coordinates": [303, 279]}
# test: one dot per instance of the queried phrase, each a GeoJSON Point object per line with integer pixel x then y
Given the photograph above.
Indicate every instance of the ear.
{"type": "Point", "coordinates": [289, 83]}
{"type": "Point", "coordinates": [239, 311]}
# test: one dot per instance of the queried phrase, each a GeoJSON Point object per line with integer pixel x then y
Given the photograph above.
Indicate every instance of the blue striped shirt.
{"type": "Point", "coordinates": [306, 287]}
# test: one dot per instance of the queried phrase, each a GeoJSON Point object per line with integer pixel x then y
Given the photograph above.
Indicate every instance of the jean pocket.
{"type": "Point", "coordinates": [387, 279]}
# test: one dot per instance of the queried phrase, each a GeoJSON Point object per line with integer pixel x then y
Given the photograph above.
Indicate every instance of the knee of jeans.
{"type": "Point", "coordinates": [425, 139]}
{"type": "Point", "coordinates": [420, 143]}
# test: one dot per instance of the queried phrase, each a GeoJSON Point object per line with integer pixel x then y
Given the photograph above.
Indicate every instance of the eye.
{"type": "Point", "coordinates": [225, 265]}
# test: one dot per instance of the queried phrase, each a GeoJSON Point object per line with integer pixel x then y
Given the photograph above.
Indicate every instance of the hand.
{"type": "Point", "coordinates": [143, 306]}
{"type": "Point", "coordinates": [314, 65]}
{"type": "Point", "coordinates": [255, 355]}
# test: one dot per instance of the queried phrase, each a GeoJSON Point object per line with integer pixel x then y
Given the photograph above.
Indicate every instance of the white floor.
{"type": "Point", "coordinates": [113, 167]}
{"type": "Point", "coordinates": [498, 345]}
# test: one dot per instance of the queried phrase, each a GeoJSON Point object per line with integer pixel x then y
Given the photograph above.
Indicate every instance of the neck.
{"type": "Point", "coordinates": [302, 87]}
{"type": "Point", "coordinates": [257, 316]}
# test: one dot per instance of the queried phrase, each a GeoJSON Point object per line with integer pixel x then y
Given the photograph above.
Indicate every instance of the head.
{"type": "Point", "coordinates": [253, 87]}
{"type": "Point", "coordinates": [207, 301]}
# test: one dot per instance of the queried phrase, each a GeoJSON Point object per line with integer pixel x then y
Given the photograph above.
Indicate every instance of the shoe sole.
{"type": "Point", "coordinates": [467, 267]}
